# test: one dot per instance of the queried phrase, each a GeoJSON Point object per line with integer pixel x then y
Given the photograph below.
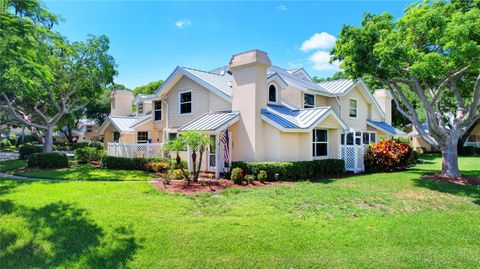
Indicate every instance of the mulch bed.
{"type": "Point", "coordinates": [463, 180]}
{"type": "Point", "coordinates": [205, 185]}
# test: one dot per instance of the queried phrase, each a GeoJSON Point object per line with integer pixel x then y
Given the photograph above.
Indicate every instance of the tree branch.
{"type": "Point", "coordinates": [19, 117]}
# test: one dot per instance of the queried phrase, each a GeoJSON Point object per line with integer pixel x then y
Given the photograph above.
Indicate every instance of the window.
{"type": "Point", "coordinates": [172, 136]}
{"type": "Point", "coordinates": [185, 102]}
{"type": "Point", "coordinates": [308, 100]}
{"type": "Point", "coordinates": [212, 151]}
{"type": "Point", "coordinates": [140, 108]}
{"type": "Point", "coordinates": [373, 137]}
{"type": "Point", "coordinates": [272, 93]}
{"type": "Point", "coordinates": [89, 129]}
{"type": "Point", "coordinates": [158, 110]}
{"type": "Point", "coordinates": [116, 137]}
{"type": "Point", "coordinates": [358, 138]}
{"type": "Point", "coordinates": [319, 145]}
{"type": "Point", "coordinates": [353, 108]}
{"type": "Point", "coordinates": [142, 137]}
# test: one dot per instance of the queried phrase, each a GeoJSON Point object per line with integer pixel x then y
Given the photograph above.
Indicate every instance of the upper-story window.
{"type": "Point", "coordinates": [308, 100]}
{"type": "Point", "coordinates": [185, 102]}
{"type": "Point", "coordinates": [89, 129]}
{"type": "Point", "coordinates": [158, 110]}
{"type": "Point", "coordinates": [140, 108]}
{"type": "Point", "coordinates": [272, 93]}
{"type": "Point", "coordinates": [353, 108]}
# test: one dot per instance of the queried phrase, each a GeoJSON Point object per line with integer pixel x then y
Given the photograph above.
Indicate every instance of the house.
{"type": "Point", "coordinates": [420, 145]}
{"type": "Point", "coordinates": [271, 113]}
{"type": "Point", "coordinates": [85, 131]}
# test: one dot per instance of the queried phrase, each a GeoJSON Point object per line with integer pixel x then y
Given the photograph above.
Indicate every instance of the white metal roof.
{"type": "Point", "coordinates": [338, 86]}
{"type": "Point", "coordinates": [212, 121]}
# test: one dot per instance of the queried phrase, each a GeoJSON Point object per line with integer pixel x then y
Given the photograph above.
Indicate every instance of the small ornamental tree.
{"type": "Point", "coordinates": [431, 53]}
{"type": "Point", "coordinates": [198, 144]}
{"type": "Point", "coordinates": [387, 156]}
{"type": "Point", "coordinates": [177, 145]}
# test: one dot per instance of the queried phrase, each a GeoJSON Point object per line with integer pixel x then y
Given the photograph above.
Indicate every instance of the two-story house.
{"type": "Point", "coordinates": [271, 113]}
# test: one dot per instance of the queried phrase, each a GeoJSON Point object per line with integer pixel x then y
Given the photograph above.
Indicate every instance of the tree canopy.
{"type": "Point", "coordinates": [432, 53]}
{"type": "Point", "coordinates": [150, 88]}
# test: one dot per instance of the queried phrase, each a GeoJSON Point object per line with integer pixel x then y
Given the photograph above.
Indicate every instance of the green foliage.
{"type": "Point", "coordinates": [262, 176]}
{"type": "Point", "coordinates": [178, 174]}
{"type": "Point", "coordinates": [469, 151]}
{"type": "Point", "coordinates": [249, 179]}
{"type": "Point", "coordinates": [387, 156]}
{"type": "Point", "coordinates": [237, 175]}
{"type": "Point", "coordinates": [5, 143]}
{"type": "Point", "coordinates": [157, 167]}
{"type": "Point", "coordinates": [302, 170]}
{"type": "Point", "coordinates": [88, 154]}
{"type": "Point", "coordinates": [122, 163]}
{"type": "Point", "coordinates": [48, 160]}
{"type": "Point", "coordinates": [26, 150]}
{"type": "Point", "coordinates": [198, 143]}
{"type": "Point", "coordinates": [150, 88]}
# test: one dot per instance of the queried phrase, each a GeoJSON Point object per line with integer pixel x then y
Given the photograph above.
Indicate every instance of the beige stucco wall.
{"type": "Point", "coordinates": [360, 122]}
{"type": "Point", "coordinates": [203, 101]}
{"type": "Point", "coordinates": [293, 96]}
{"type": "Point", "coordinates": [418, 144]}
{"type": "Point", "coordinates": [121, 103]}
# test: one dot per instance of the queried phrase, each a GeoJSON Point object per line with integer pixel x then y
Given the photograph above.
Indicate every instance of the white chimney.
{"type": "Point", "coordinates": [384, 99]}
{"type": "Point", "coordinates": [121, 102]}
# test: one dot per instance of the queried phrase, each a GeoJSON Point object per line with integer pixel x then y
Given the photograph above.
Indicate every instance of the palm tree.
{"type": "Point", "coordinates": [198, 143]}
{"type": "Point", "coordinates": [177, 145]}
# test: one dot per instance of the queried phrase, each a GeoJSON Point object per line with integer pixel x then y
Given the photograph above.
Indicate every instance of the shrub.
{"type": "Point", "coordinates": [123, 163]}
{"type": "Point", "coordinates": [173, 164]}
{"type": "Point", "coordinates": [301, 170]}
{"type": "Point", "coordinates": [177, 174]}
{"type": "Point", "coordinates": [467, 151]}
{"type": "Point", "coordinates": [5, 143]}
{"type": "Point", "coordinates": [95, 144]}
{"type": "Point", "coordinates": [237, 175]}
{"type": "Point", "coordinates": [48, 160]}
{"type": "Point", "coordinates": [157, 167]}
{"type": "Point", "coordinates": [387, 155]}
{"type": "Point", "coordinates": [249, 179]}
{"type": "Point", "coordinates": [88, 154]}
{"type": "Point", "coordinates": [262, 176]}
{"type": "Point", "coordinates": [26, 150]}
{"type": "Point", "coordinates": [414, 157]}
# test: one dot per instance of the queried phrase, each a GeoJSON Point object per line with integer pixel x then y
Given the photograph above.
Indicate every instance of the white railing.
{"type": "Point", "coordinates": [353, 155]}
{"type": "Point", "coordinates": [135, 150]}
{"type": "Point", "coordinates": [472, 144]}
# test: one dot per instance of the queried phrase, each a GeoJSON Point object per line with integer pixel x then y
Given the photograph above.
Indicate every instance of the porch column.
{"type": "Point", "coordinates": [217, 157]}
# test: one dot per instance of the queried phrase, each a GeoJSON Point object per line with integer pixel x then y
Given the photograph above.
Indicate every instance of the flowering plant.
{"type": "Point", "coordinates": [388, 155]}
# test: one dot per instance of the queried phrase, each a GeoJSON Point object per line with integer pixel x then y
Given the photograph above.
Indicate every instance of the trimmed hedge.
{"type": "Point", "coordinates": [26, 150]}
{"type": "Point", "coordinates": [88, 154]}
{"type": "Point", "coordinates": [302, 170]}
{"type": "Point", "coordinates": [48, 160]}
{"type": "Point", "coordinates": [122, 163]}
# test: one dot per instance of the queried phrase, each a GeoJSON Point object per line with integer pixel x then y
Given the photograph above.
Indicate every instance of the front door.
{"type": "Point", "coordinates": [212, 153]}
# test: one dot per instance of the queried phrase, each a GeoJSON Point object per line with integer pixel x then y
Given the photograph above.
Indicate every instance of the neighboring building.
{"type": "Point", "coordinates": [420, 145]}
{"type": "Point", "coordinates": [86, 131]}
{"type": "Point", "coordinates": [272, 114]}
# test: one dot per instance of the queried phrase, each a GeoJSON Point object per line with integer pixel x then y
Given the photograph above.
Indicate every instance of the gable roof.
{"type": "Point", "coordinates": [212, 121]}
{"type": "Point", "coordinates": [339, 86]}
{"type": "Point", "coordinates": [387, 128]}
{"type": "Point", "coordinates": [124, 124]}
{"type": "Point", "coordinates": [297, 120]}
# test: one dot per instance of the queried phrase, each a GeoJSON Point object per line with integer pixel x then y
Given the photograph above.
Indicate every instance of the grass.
{"type": "Point", "coordinates": [87, 172]}
{"type": "Point", "coordinates": [380, 220]}
{"type": "Point", "coordinates": [12, 165]}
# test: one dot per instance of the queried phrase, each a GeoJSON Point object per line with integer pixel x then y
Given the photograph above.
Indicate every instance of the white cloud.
{"type": "Point", "coordinates": [322, 41]}
{"type": "Point", "coordinates": [321, 62]}
{"type": "Point", "coordinates": [282, 7]}
{"type": "Point", "coordinates": [182, 24]}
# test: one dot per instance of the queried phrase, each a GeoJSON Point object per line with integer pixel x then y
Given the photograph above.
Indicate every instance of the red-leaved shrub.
{"type": "Point", "coordinates": [387, 155]}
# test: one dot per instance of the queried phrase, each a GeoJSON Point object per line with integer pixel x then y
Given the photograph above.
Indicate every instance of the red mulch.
{"type": "Point", "coordinates": [181, 186]}
{"type": "Point", "coordinates": [463, 180]}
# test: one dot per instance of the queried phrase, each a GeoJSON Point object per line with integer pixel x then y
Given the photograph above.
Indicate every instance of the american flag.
{"type": "Point", "coordinates": [226, 151]}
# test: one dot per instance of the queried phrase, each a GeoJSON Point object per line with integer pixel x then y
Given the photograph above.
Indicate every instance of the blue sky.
{"type": "Point", "coordinates": [150, 38]}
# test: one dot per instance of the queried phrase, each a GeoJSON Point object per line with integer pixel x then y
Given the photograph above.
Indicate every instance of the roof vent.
{"type": "Point", "coordinates": [222, 72]}
{"type": "Point", "coordinates": [229, 83]}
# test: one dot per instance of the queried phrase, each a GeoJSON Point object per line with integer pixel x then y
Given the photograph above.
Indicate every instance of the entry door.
{"type": "Point", "coordinates": [212, 153]}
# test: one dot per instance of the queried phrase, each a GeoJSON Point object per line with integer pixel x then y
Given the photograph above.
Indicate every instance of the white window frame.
{"type": "Point", "coordinates": [319, 142]}
{"type": "Point", "coordinates": [155, 110]}
{"type": "Point", "coordinates": [141, 141]}
{"type": "Point", "coordinates": [91, 129]}
{"type": "Point", "coordinates": [350, 108]}
{"type": "Point", "coordinates": [180, 103]}
{"type": "Point", "coordinates": [140, 105]}
{"type": "Point", "coordinates": [314, 100]}
{"type": "Point", "coordinates": [276, 93]}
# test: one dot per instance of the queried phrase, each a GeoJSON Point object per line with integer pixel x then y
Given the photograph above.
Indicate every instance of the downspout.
{"type": "Point", "coordinates": [344, 131]}
{"type": "Point", "coordinates": [166, 121]}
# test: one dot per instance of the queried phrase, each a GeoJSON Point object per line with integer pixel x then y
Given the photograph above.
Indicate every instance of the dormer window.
{"type": "Point", "coordinates": [272, 93]}
{"type": "Point", "coordinates": [140, 108]}
{"type": "Point", "coordinates": [308, 100]}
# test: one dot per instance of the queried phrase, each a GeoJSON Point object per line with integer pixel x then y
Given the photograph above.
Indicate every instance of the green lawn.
{"type": "Point", "coordinates": [375, 221]}
{"type": "Point", "coordinates": [89, 173]}
{"type": "Point", "coordinates": [11, 165]}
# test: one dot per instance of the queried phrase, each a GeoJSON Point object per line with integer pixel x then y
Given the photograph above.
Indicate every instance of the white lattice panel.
{"type": "Point", "coordinates": [135, 150]}
{"type": "Point", "coordinates": [353, 156]}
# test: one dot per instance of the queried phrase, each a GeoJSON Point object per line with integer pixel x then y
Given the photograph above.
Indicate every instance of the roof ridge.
{"type": "Point", "coordinates": [203, 71]}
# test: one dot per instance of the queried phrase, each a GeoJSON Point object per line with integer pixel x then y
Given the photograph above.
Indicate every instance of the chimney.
{"type": "Point", "coordinates": [121, 103]}
{"type": "Point", "coordinates": [384, 99]}
{"type": "Point", "coordinates": [249, 96]}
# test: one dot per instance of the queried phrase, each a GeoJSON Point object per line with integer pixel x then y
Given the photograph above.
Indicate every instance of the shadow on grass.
{"type": "Point", "coordinates": [61, 235]}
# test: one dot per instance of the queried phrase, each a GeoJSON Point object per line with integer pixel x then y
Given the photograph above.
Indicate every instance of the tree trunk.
{"type": "Point", "coordinates": [48, 144]}
{"type": "Point", "coordinates": [450, 160]}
